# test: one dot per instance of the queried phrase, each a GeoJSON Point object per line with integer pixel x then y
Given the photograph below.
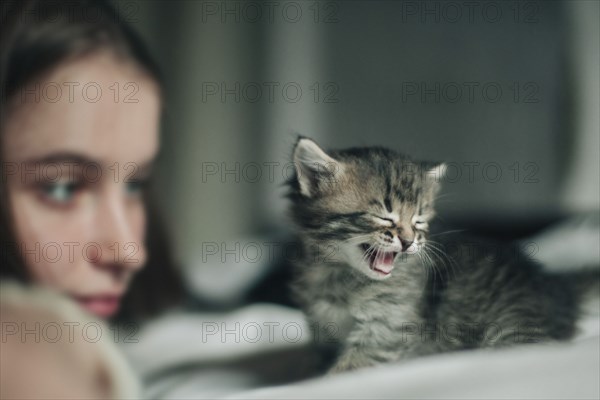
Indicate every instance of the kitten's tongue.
{"type": "Point", "coordinates": [382, 261]}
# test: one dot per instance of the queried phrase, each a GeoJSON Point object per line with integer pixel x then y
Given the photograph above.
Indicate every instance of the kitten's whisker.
{"type": "Point", "coordinates": [358, 238]}
{"type": "Point", "coordinates": [433, 268]}
{"type": "Point", "coordinates": [448, 232]}
{"type": "Point", "coordinates": [425, 260]}
{"type": "Point", "coordinates": [433, 265]}
{"type": "Point", "coordinates": [433, 262]}
{"type": "Point", "coordinates": [378, 254]}
{"type": "Point", "coordinates": [445, 197]}
{"type": "Point", "coordinates": [441, 254]}
{"type": "Point", "coordinates": [368, 253]}
{"type": "Point", "coordinates": [365, 256]}
{"type": "Point", "coordinates": [421, 258]}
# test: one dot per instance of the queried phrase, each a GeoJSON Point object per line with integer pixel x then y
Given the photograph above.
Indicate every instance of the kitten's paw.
{"type": "Point", "coordinates": [348, 364]}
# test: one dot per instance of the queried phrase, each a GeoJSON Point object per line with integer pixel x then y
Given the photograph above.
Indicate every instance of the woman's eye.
{"type": "Point", "coordinates": [61, 192]}
{"type": "Point", "coordinates": [135, 187]}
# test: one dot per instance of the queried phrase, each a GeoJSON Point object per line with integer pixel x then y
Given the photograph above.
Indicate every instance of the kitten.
{"type": "Point", "coordinates": [379, 290]}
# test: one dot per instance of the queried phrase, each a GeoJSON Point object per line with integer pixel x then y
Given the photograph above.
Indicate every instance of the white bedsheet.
{"type": "Point", "coordinates": [542, 371]}
{"type": "Point", "coordinates": [569, 370]}
{"type": "Point", "coordinates": [557, 371]}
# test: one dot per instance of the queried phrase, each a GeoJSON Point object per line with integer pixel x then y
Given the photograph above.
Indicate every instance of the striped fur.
{"type": "Point", "coordinates": [440, 296]}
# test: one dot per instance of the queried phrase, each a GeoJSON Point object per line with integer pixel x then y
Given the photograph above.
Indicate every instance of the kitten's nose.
{"type": "Point", "coordinates": [406, 236]}
{"type": "Point", "coordinates": [406, 243]}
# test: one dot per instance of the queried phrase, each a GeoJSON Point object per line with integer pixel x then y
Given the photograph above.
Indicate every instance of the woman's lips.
{"type": "Point", "coordinates": [102, 306]}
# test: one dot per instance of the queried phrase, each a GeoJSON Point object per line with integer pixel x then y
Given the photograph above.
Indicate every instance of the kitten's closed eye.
{"type": "Point", "coordinates": [420, 223]}
{"type": "Point", "coordinates": [383, 220]}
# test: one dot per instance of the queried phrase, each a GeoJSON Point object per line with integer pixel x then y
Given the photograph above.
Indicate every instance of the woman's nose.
{"type": "Point", "coordinates": [119, 241]}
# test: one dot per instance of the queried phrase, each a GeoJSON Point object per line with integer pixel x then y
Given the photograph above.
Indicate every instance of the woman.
{"type": "Point", "coordinates": [79, 134]}
{"type": "Point", "coordinates": [81, 104]}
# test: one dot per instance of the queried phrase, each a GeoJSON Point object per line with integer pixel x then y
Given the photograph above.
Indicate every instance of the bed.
{"type": "Point", "coordinates": [265, 350]}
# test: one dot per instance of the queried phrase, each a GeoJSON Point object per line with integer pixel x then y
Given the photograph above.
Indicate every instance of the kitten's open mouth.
{"type": "Point", "coordinates": [379, 261]}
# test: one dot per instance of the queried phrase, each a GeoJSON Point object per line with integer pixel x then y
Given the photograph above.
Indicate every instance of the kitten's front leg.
{"type": "Point", "coordinates": [382, 343]}
{"type": "Point", "coordinates": [372, 345]}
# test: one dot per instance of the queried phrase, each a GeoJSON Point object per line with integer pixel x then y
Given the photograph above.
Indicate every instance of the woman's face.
{"type": "Point", "coordinates": [75, 162]}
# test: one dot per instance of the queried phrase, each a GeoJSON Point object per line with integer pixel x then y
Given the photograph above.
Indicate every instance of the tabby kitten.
{"type": "Point", "coordinates": [379, 290]}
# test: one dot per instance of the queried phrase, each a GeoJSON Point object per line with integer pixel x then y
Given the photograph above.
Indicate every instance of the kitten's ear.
{"type": "Point", "coordinates": [436, 172]}
{"type": "Point", "coordinates": [314, 167]}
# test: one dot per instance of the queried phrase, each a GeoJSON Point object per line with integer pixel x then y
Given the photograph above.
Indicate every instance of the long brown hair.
{"type": "Point", "coordinates": [37, 35]}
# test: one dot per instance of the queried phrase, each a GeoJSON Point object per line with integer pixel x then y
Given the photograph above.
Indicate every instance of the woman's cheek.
{"type": "Point", "coordinates": [51, 243]}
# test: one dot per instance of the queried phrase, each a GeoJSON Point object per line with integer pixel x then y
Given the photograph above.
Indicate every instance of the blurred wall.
{"type": "Point", "coordinates": [581, 190]}
{"type": "Point", "coordinates": [506, 92]}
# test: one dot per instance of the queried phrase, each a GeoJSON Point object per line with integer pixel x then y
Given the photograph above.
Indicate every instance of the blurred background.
{"type": "Point", "coordinates": [506, 92]}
